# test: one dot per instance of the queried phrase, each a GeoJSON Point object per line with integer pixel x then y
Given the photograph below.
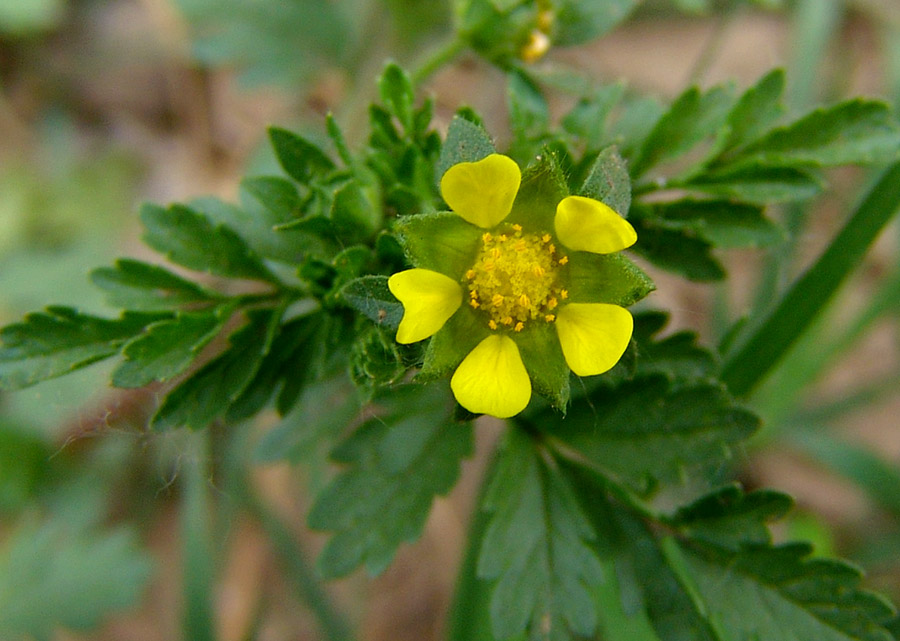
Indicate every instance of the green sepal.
{"type": "Point", "coordinates": [543, 186]}
{"type": "Point", "coordinates": [608, 181]}
{"type": "Point", "coordinates": [606, 278]}
{"type": "Point", "coordinates": [446, 349]}
{"type": "Point", "coordinates": [466, 142]}
{"type": "Point", "coordinates": [543, 358]}
{"type": "Point", "coordinates": [442, 242]}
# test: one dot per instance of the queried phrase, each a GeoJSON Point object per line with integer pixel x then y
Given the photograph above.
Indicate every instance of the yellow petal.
{"type": "Point", "coordinates": [492, 379]}
{"type": "Point", "coordinates": [428, 298]}
{"type": "Point", "coordinates": [585, 224]}
{"type": "Point", "coordinates": [593, 336]}
{"type": "Point", "coordinates": [482, 192]}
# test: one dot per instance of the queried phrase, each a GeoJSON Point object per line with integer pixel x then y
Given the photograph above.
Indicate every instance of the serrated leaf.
{"type": "Point", "coordinates": [397, 94]}
{"type": "Point", "coordinates": [168, 347]}
{"type": "Point", "coordinates": [758, 184]}
{"type": "Point", "coordinates": [138, 286]}
{"type": "Point", "coordinates": [54, 575]}
{"type": "Point", "coordinates": [296, 359]}
{"type": "Point", "coordinates": [637, 117]}
{"type": "Point", "coordinates": [208, 392]}
{"type": "Point", "coordinates": [398, 462]}
{"type": "Point", "coordinates": [371, 297]}
{"type": "Point", "coordinates": [721, 223]}
{"type": "Point", "coordinates": [190, 239]}
{"type": "Point", "coordinates": [778, 593]}
{"type": "Point", "coordinates": [676, 250]}
{"type": "Point", "coordinates": [608, 181]}
{"type": "Point", "coordinates": [756, 110]}
{"type": "Point", "coordinates": [355, 213]}
{"type": "Point", "coordinates": [677, 356]}
{"type": "Point", "coordinates": [647, 431]}
{"type": "Point", "coordinates": [465, 142]}
{"type": "Point", "coordinates": [691, 118]}
{"type": "Point", "coordinates": [60, 340]}
{"type": "Point", "coordinates": [731, 519]}
{"type": "Point", "coordinates": [853, 132]}
{"type": "Point", "coordinates": [300, 159]}
{"type": "Point", "coordinates": [543, 581]}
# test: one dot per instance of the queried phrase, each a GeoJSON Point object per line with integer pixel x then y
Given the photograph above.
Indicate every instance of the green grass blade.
{"type": "Point", "coordinates": [769, 339]}
{"type": "Point", "coordinates": [876, 477]}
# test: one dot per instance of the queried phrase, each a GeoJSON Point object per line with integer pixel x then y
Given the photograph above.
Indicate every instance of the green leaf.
{"type": "Point", "coordinates": [23, 467]}
{"type": "Point", "coordinates": [756, 110]}
{"type": "Point", "coordinates": [645, 431]}
{"type": "Point", "coordinates": [138, 286]}
{"type": "Point", "coordinates": [758, 184]}
{"type": "Point", "coordinates": [168, 347]}
{"type": "Point", "coordinates": [853, 132]}
{"type": "Point", "coordinates": [578, 21]}
{"type": "Point", "coordinates": [691, 118]}
{"type": "Point", "coordinates": [778, 593]}
{"type": "Point", "coordinates": [207, 393]}
{"type": "Point", "coordinates": [587, 119]}
{"type": "Point", "coordinates": [60, 340]}
{"type": "Point", "coordinates": [188, 238]}
{"type": "Point", "coordinates": [529, 114]}
{"type": "Point", "coordinates": [466, 142]}
{"type": "Point", "coordinates": [397, 94]}
{"type": "Point", "coordinates": [543, 581]}
{"type": "Point", "coordinates": [721, 223]}
{"type": "Point", "coordinates": [371, 297]}
{"type": "Point", "coordinates": [676, 250]}
{"type": "Point", "coordinates": [58, 575]}
{"type": "Point", "coordinates": [767, 339]}
{"type": "Point", "coordinates": [398, 461]}
{"type": "Point", "coordinates": [308, 431]}
{"type": "Point", "coordinates": [355, 212]}
{"type": "Point", "coordinates": [297, 358]}
{"type": "Point", "coordinates": [731, 519]}
{"type": "Point", "coordinates": [375, 360]}
{"type": "Point", "coordinates": [677, 356]}
{"type": "Point", "coordinates": [608, 181]}
{"type": "Point", "coordinates": [300, 159]}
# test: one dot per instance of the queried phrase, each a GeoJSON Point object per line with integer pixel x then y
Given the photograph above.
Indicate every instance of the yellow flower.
{"type": "Point", "coordinates": [513, 277]}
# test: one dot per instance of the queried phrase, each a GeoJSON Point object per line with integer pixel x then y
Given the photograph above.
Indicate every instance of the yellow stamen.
{"type": "Point", "coordinates": [519, 326]}
{"type": "Point", "coordinates": [538, 271]}
{"type": "Point", "coordinates": [563, 260]}
{"type": "Point", "coordinates": [508, 320]}
{"type": "Point", "coordinates": [552, 303]}
{"type": "Point", "coordinates": [470, 274]}
{"type": "Point", "coordinates": [545, 238]}
{"type": "Point", "coordinates": [517, 227]}
{"type": "Point", "coordinates": [523, 301]}
{"type": "Point", "coordinates": [497, 300]}
{"type": "Point", "coordinates": [564, 294]}
{"type": "Point", "coordinates": [474, 303]}
{"type": "Point", "coordinates": [552, 248]}
{"type": "Point", "coordinates": [486, 237]}
{"type": "Point", "coordinates": [550, 318]}
{"type": "Point", "coordinates": [492, 324]}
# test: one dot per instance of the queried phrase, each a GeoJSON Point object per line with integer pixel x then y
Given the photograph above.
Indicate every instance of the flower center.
{"type": "Point", "coordinates": [515, 278]}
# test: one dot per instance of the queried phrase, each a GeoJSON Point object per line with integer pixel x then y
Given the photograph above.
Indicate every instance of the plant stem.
{"type": "Point", "coordinates": [199, 570]}
{"type": "Point", "coordinates": [437, 59]}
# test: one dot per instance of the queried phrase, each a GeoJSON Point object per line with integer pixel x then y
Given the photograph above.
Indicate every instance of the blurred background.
{"type": "Point", "coordinates": [105, 104]}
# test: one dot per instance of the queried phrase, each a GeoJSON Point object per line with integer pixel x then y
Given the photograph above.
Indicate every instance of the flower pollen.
{"type": "Point", "coordinates": [514, 278]}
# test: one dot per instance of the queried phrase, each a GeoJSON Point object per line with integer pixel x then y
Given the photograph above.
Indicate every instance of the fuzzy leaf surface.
{"type": "Point", "coordinates": [645, 431]}
{"type": "Point", "coordinates": [537, 549]}
{"type": "Point", "coordinates": [190, 239]}
{"type": "Point", "coordinates": [135, 285]}
{"type": "Point", "coordinates": [60, 340]}
{"type": "Point", "coordinates": [397, 462]}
